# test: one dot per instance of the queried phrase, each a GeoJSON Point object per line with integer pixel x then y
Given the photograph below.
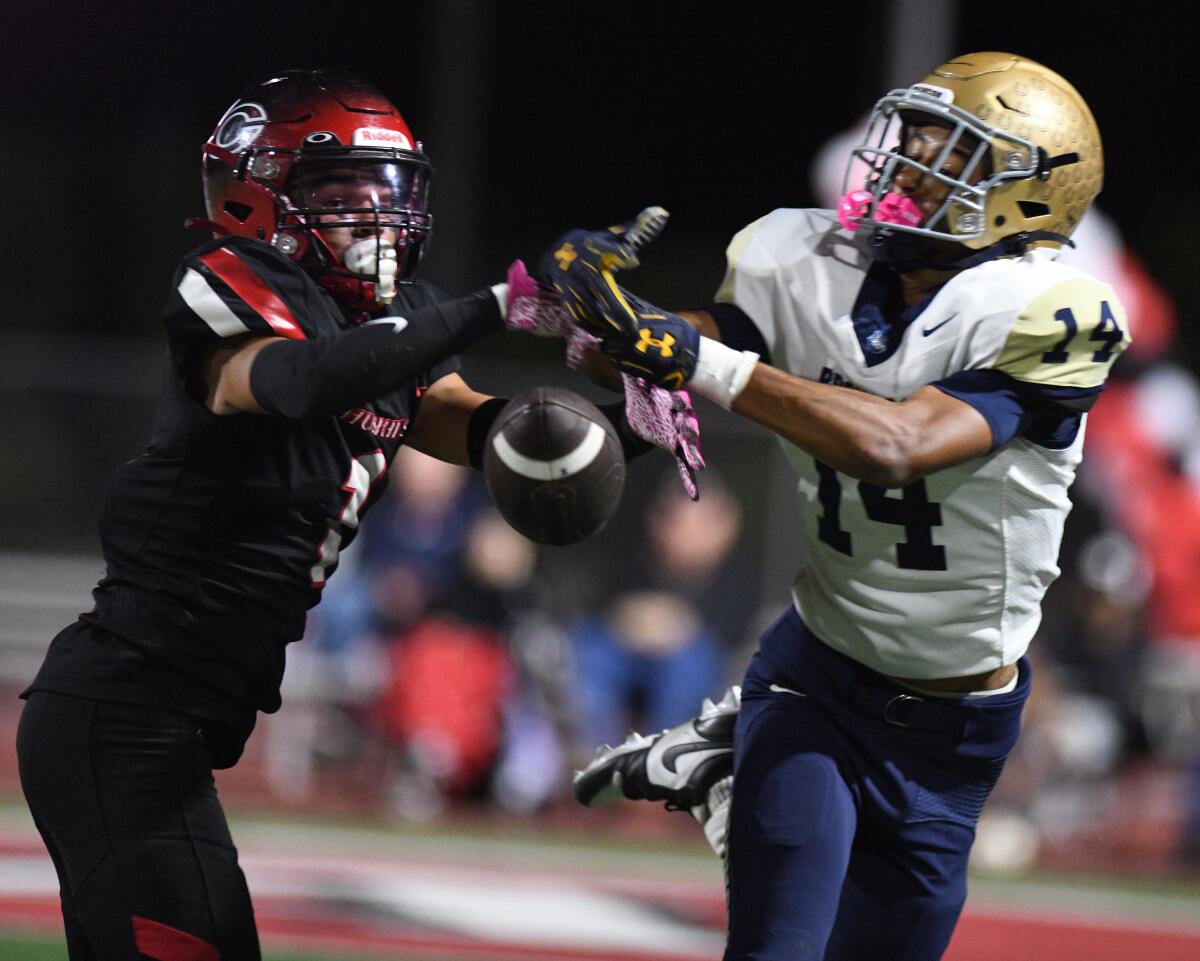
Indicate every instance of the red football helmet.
{"type": "Point", "coordinates": [322, 166]}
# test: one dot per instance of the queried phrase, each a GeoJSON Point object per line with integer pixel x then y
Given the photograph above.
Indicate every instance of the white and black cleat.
{"type": "Point", "coordinates": [678, 766]}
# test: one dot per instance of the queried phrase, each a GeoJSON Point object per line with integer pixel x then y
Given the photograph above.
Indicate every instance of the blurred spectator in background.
{"type": "Point", "coordinates": [434, 649]}
{"type": "Point", "coordinates": [662, 641]}
{"type": "Point", "coordinates": [386, 580]}
{"type": "Point", "coordinates": [452, 674]}
{"type": "Point", "coordinates": [407, 557]}
{"type": "Point", "coordinates": [1082, 720]}
{"type": "Point", "coordinates": [1148, 439]}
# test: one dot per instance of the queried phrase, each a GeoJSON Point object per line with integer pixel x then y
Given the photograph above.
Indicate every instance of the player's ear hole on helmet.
{"type": "Point", "coordinates": [240, 212]}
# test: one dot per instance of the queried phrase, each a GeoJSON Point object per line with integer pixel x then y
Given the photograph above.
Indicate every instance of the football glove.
{"type": "Point", "coordinates": [582, 261]}
{"type": "Point", "coordinates": [536, 309]}
{"type": "Point", "coordinates": [655, 345]}
{"type": "Point", "coordinates": [667, 420]}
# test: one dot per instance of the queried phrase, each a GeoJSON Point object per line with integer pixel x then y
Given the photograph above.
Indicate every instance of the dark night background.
{"type": "Point", "coordinates": [537, 116]}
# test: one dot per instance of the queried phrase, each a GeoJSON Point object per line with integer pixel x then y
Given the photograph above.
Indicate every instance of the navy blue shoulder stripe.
{"type": "Point", "coordinates": [1047, 416]}
{"type": "Point", "coordinates": [738, 330]}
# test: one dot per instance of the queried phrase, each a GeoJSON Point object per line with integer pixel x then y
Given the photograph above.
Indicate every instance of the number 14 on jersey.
{"type": "Point", "coordinates": [909, 507]}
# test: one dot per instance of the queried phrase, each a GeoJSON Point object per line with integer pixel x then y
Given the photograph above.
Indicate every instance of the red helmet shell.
{"type": "Point", "coordinates": [275, 124]}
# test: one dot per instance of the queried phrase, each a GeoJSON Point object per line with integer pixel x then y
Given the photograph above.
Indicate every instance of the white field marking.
{"type": "Point", "coordinates": [479, 905]}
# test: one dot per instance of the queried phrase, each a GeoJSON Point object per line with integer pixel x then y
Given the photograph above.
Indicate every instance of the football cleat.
{"type": "Point", "coordinates": [678, 766]}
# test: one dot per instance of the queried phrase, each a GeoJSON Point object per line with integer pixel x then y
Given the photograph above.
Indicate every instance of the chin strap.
{"type": "Point", "coordinates": [906, 252]}
{"type": "Point", "coordinates": [351, 292]}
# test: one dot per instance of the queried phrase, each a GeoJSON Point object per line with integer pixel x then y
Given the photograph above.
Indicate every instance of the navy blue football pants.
{"type": "Point", "coordinates": [854, 805]}
{"type": "Point", "coordinates": [124, 798]}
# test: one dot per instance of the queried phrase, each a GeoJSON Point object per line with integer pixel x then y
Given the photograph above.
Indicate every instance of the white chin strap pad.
{"type": "Point", "coordinates": [369, 259]}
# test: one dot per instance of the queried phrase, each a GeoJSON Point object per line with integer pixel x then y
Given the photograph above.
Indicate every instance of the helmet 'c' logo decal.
{"type": "Point", "coordinates": [241, 126]}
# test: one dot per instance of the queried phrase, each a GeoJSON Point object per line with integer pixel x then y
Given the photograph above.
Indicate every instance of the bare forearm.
{"type": "Point", "coordinates": [864, 436]}
{"type": "Point", "coordinates": [861, 435]}
{"type": "Point", "coordinates": [443, 423]}
{"type": "Point", "coordinates": [703, 321]}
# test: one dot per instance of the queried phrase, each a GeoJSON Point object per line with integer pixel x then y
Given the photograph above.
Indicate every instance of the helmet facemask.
{"type": "Point", "coordinates": [356, 216]}
{"type": "Point", "coordinates": [962, 216]}
{"type": "Point", "coordinates": [1035, 160]}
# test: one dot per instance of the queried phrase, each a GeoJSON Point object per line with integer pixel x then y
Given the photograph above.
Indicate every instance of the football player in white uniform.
{"type": "Point", "coordinates": [928, 366]}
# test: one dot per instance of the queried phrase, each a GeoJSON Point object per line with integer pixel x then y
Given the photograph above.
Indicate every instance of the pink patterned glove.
{"type": "Point", "coordinates": [661, 417]}
{"type": "Point", "coordinates": [666, 419]}
{"type": "Point", "coordinates": [538, 310]}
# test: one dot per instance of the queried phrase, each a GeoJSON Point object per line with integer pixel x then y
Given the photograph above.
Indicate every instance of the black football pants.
{"type": "Point", "coordinates": [124, 798]}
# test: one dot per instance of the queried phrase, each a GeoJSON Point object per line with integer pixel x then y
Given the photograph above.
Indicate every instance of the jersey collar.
{"type": "Point", "coordinates": [879, 315]}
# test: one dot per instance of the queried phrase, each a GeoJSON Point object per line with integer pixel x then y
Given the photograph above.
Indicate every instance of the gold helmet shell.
{"type": "Point", "coordinates": [1039, 162]}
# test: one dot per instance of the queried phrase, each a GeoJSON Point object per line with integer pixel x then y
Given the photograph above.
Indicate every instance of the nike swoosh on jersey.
{"type": "Point", "coordinates": [672, 753]}
{"type": "Point", "coordinates": [926, 331]}
{"type": "Point", "coordinates": [398, 323]}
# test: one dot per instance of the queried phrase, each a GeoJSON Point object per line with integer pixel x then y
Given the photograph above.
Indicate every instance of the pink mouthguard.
{"type": "Point", "coordinates": [892, 209]}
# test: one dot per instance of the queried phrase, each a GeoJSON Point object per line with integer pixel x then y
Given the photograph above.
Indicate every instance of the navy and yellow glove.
{"type": "Point", "coordinates": [664, 350]}
{"type": "Point", "coordinates": [644, 341]}
{"type": "Point", "coordinates": [660, 347]}
{"type": "Point", "coordinates": [581, 264]}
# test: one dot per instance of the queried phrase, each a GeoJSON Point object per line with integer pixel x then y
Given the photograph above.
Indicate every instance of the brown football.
{"type": "Point", "coordinates": [554, 466]}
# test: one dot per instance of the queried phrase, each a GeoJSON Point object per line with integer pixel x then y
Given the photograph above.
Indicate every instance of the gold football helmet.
{"type": "Point", "coordinates": [1036, 159]}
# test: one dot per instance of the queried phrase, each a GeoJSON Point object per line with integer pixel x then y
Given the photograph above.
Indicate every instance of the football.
{"type": "Point", "coordinates": [554, 466]}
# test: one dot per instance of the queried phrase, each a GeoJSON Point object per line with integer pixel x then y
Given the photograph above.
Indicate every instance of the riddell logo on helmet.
{"type": "Point", "coordinates": [377, 137]}
{"type": "Point", "coordinates": [930, 90]}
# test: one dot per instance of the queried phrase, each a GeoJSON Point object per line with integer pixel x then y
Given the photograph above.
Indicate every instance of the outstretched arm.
{"type": "Point", "coordinates": [312, 378]}
{"type": "Point", "coordinates": [866, 437]}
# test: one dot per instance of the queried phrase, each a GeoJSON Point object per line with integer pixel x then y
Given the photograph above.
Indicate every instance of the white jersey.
{"type": "Point", "coordinates": [945, 577]}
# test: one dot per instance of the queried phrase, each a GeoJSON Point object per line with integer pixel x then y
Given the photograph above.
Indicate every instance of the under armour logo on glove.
{"type": "Point", "coordinates": [663, 348]}
{"type": "Point", "coordinates": [642, 340]}
{"type": "Point", "coordinates": [646, 341]}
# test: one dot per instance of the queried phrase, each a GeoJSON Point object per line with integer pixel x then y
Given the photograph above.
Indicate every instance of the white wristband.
{"type": "Point", "coordinates": [500, 292]}
{"type": "Point", "coordinates": [721, 372]}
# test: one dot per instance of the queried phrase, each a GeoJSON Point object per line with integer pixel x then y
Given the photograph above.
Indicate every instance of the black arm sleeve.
{"type": "Point", "coordinates": [482, 418]}
{"type": "Point", "coordinates": [303, 379]}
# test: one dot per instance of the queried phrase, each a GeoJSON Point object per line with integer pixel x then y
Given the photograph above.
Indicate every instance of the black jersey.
{"type": "Point", "coordinates": [220, 536]}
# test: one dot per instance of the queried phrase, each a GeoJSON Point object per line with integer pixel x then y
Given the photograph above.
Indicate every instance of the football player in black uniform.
{"type": "Point", "coordinates": [219, 537]}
